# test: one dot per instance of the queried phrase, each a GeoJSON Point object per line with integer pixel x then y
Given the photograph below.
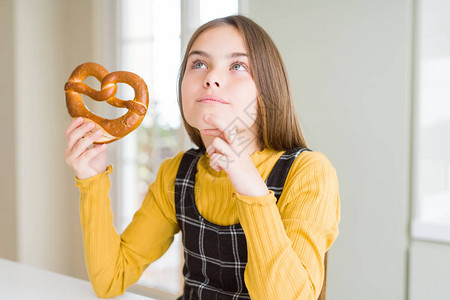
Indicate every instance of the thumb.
{"type": "Point", "coordinates": [232, 137]}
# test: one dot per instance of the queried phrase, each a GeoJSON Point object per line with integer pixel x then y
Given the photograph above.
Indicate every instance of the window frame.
{"type": "Point", "coordinates": [424, 226]}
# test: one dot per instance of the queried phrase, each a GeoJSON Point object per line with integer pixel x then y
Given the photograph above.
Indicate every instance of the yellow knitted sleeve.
{"type": "Point", "coordinates": [114, 261]}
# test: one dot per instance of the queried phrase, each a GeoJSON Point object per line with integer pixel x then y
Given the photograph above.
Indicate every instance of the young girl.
{"type": "Point", "coordinates": [257, 209]}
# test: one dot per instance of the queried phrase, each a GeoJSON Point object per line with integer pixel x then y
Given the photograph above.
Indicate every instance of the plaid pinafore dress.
{"type": "Point", "coordinates": [216, 256]}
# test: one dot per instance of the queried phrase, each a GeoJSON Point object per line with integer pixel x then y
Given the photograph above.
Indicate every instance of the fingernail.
{"type": "Point", "coordinates": [99, 131]}
{"type": "Point", "coordinates": [90, 124]}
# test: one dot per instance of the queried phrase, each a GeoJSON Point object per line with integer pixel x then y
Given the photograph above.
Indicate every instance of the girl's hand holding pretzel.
{"type": "Point", "coordinates": [225, 154]}
{"type": "Point", "coordinates": [86, 160]}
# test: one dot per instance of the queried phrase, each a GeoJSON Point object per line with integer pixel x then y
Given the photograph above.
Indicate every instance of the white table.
{"type": "Point", "coordinates": [22, 282]}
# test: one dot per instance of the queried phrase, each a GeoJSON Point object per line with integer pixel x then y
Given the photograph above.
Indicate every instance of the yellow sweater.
{"type": "Point", "coordinates": [286, 242]}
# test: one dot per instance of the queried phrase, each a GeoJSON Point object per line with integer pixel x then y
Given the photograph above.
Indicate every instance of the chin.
{"type": "Point", "coordinates": [195, 118]}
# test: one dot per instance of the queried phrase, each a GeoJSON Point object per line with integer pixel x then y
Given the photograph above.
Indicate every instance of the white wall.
{"type": "Point", "coordinates": [45, 41]}
{"type": "Point", "coordinates": [349, 64]}
{"type": "Point", "coordinates": [429, 271]}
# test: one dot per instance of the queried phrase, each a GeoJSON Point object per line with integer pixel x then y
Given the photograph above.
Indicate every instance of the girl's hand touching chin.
{"type": "Point", "coordinates": [225, 154]}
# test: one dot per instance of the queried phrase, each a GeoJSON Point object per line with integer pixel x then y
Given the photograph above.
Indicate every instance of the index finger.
{"type": "Point", "coordinates": [210, 119]}
{"type": "Point", "coordinates": [73, 125]}
{"type": "Point", "coordinates": [221, 127]}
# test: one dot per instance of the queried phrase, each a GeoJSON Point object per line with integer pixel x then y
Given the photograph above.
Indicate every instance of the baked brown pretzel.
{"type": "Point", "coordinates": [112, 129]}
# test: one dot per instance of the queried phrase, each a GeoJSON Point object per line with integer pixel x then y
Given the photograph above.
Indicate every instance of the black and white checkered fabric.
{"type": "Point", "coordinates": [216, 256]}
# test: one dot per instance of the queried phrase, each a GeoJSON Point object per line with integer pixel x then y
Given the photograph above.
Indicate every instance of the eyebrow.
{"type": "Point", "coordinates": [203, 53]}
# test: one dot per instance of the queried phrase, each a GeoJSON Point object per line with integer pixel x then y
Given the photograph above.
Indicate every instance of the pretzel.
{"type": "Point", "coordinates": [112, 129]}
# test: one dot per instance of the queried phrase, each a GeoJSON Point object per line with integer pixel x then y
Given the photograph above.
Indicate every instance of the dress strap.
{"type": "Point", "coordinates": [185, 179]}
{"type": "Point", "coordinates": [278, 175]}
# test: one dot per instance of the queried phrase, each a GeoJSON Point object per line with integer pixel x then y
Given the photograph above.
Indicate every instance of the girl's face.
{"type": "Point", "coordinates": [217, 81]}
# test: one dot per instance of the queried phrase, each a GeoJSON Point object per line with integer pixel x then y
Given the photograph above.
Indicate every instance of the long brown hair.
{"type": "Point", "coordinates": [278, 127]}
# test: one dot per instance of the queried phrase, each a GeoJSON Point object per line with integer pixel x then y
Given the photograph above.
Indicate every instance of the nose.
{"type": "Point", "coordinates": [212, 79]}
{"type": "Point", "coordinates": [208, 83]}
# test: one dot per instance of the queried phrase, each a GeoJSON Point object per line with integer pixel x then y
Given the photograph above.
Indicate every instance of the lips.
{"type": "Point", "coordinates": [212, 99]}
